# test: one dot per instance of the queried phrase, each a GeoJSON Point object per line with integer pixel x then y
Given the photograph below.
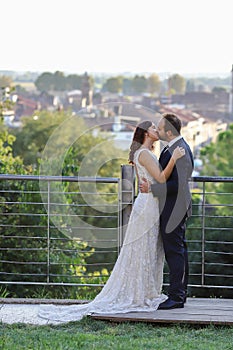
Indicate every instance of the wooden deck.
{"type": "Point", "coordinates": [196, 311]}
{"type": "Point", "coordinates": [199, 311]}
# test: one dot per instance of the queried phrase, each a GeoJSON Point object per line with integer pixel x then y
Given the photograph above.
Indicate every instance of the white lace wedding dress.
{"type": "Point", "coordinates": [136, 280]}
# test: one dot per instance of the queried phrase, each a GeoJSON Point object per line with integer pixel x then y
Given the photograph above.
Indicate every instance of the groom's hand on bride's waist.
{"type": "Point", "coordinates": [144, 186]}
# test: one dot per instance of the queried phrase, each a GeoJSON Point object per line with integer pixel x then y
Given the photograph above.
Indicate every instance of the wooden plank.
{"type": "Point", "coordinates": [213, 321]}
{"type": "Point", "coordinates": [196, 311]}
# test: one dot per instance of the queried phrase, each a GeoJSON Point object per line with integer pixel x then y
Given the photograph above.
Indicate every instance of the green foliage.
{"type": "Point", "coordinates": [25, 245]}
{"type": "Point", "coordinates": [177, 83]}
{"type": "Point", "coordinates": [113, 85]}
{"type": "Point", "coordinates": [139, 84]}
{"type": "Point", "coordinates": [23, 232]}
{"type": "Point", "coordinates": [62, 131]}
{"type": "Point", "coordinates": [219, 89]}
{"type": "Point", "coordinates": [216, 218]}
{"type": "Point", "coordinates": [217, 160]}
{"type": "Point", "coordinates": [24, 229]}
{"type": "Point", "coordinates": [8, 163]}
{"type": "Point", "coordinates": [59, 82]}
{"type": "Point", "coordinates": [154, 84]}
{"type": "Point", "coordinates": [6, 103]}
{"type": "Point", "coordinates": [5, 81]}
{"type": "Point", "coordinates": [213, 244]}
{"type": "Point", "coordinates": [3, 292]}
{"type": "Point", "coordinates": [31, 139]}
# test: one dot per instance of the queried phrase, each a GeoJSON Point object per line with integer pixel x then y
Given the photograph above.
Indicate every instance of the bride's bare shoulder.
{"type": "Point", "coordinates": [145, 156]}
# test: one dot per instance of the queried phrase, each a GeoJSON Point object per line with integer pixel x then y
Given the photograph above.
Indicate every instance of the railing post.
{"type": "Point", "coordinates": [203, 237]}
{"type": "Point", "coordinates": [126, 198]}
{"type": "Point", "coordinates": [48, 235]}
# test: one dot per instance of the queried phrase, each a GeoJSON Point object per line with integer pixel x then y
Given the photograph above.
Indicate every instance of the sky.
{"type": "Point", "coordinates": [116, 36]}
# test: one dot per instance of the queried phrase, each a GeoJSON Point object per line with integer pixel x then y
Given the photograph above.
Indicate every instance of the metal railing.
{"type": "Point", "coordinates": [58, 231]}
{"type": "Point", "coordinates": [49, 228]}
{"type": "Point", "coordinates": [210, 233]}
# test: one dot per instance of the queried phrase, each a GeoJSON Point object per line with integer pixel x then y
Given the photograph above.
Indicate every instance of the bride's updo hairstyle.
{"type": "Point", "coordinates": [138, 138]}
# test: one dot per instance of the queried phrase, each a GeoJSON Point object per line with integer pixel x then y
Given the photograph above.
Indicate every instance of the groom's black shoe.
{"type": "Point", "coordinates": [170, 304]}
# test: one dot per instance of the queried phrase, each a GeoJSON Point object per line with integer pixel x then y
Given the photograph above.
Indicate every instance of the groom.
{"type": "Point", "coordinates": [175, 207]}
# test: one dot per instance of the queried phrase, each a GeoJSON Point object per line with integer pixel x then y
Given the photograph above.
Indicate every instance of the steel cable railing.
{"type": "Point", "coordinates": [63, 237]}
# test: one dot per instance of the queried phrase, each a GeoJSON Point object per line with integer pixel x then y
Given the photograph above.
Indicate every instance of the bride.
{"type": "Point", "coordinates": [136, 280]}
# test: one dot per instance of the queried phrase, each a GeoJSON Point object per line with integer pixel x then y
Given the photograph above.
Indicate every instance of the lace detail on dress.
{"type": "Point", "coordinates": [136, 280]}
{"type": "Point", "coordinates": [141, 170]}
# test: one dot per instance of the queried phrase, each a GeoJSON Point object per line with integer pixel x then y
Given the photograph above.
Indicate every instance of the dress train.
{"type": "Point", "coordinates": [136, 280]}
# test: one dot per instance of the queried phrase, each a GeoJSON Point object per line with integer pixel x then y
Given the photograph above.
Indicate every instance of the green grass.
{"type": "Point", "coordinates": [100, 335]}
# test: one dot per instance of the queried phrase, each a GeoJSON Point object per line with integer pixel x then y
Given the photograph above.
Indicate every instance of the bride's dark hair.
{"type": "Point", "coordinates": [138, 138]}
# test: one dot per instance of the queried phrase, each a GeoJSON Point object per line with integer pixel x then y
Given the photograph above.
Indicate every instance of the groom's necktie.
{"type": "Point", "coordinates": [164, 150]}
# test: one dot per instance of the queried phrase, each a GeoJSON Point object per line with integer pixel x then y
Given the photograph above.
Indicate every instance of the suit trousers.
{"type": "Point", "coordinates": [176, 254]}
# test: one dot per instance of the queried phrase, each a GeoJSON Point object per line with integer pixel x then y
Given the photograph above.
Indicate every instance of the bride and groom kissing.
{"type": "Point", "coordinates": [155, 231]}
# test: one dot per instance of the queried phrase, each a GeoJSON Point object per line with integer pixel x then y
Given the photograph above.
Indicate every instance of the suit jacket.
{"type": "Point", "coordinates": [174, 195]}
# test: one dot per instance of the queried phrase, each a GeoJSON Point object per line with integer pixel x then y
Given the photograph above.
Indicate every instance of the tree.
{"type": "Point", "coordinates": [74, 82]}
{"type": "Point", "coordinates": [219, 89]}
{"type": "Point", "coordinates": [45, 82]}
{"type": "Point", "coordinates": [113, 85]}
{"type": "Point", "coordinates": [127, 87]}
{"type": "Point", "coordinates": [8, 163]}
{"type": "Point", "coordinates": [31, 138]}
{"type": "Point", "coordinates": [154, 83]}
{"type": "Point", "coordinates": [23, 230]}
{"type": "Point", "coordinates": [139, 84]}
{"type": "Point", "coordinates": [6, 103]}
{"type": "Point", "coordinates": [218, 215]}
{"type": "Point", "coordinates": [177, 82]}
{"type": "Point", "coordinates": [24, 236]}
{"type": "Point", "coordinates": [5, 81]}
{"type": "Point", "coordinates": [59, 81]}
{"type": "Point", "coordinates": [216, 161]}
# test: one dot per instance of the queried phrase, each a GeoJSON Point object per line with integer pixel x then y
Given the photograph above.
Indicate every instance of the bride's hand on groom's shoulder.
{"type": "Point", "coordinates": [178, 153]}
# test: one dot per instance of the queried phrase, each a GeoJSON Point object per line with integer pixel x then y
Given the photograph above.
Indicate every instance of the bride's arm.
{"type": "Point", "coordinates": [146, 159]}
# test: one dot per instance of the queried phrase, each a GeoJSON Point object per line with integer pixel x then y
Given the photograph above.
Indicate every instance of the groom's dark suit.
{"type": "Point", "coordinates": [175, 207]}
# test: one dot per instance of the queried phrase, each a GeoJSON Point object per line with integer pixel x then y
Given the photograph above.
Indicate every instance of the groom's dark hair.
{"type": "Point", "coordinates": [172, 122]}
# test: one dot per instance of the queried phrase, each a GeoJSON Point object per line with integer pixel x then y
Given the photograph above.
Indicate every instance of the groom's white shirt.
{"type": "Point", "coordinates": [174, 140]}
